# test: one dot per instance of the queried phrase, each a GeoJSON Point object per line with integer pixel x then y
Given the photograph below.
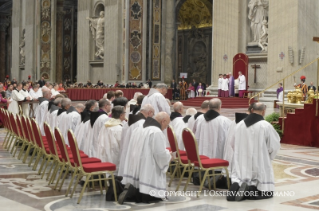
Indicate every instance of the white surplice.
{"type": "Point", "coordinates": [99, 125]}
{"type": "Point", "coordinates": [81, 136]}
{"type": "Point", "coordinates": [225, 83]}
{"type": "Point", "coordinates": [35, 96]}
{"type": "Point", "coordinates": [128, 107]}
{"type": "Point", "coordinates": [255, 148]}
{"type": "Point", "coordinates": [154, 162]}
{"type": "Point", "coordinates": [54, 92]}
{"type": "Point", "coordinates": [178, 126]}
{"type": "Point", "coordinates": [26, 107]}
{"type": "Point", "coordinates": [69, 121]}
{"type": "Point", "coordinates": [41, 114]}
{"type": "Point", "coordinates": [109, 141]}
{"type": "Point", "coordinates": [242, 83]}
{"type": "Point", "coordinates": [59, 118]}
{"type": "Point", "coordinates": [127, 133]}
{"type": "Point", "coordinates": [14, 106]}
{"type": "Point", "coordinates": [211, 136]}
{"type": "Point", "coordinates": [158, 101]}
{"type": "Point", "coordinates": [51, 118]}
{"type": "Point", "coordinates": [229, 146]}
{"type": "Point", "coordinates": [220, 83]}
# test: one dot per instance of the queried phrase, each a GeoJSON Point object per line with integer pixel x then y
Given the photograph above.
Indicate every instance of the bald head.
{"type": "Point", "coordinates": [205, 106]}
{"type": "Point", "coordinates": [191, 111]}
{"type": "Point", "coordinates": [163, 119]}
{"type": "Point", "coordinates": [147, 110]}
{"type": "Point", "coordinates": [178, 107]}
{"type": "Point", "coordinates": [259, 108]}
{"type": "Point", "coordinates": [215, 104]}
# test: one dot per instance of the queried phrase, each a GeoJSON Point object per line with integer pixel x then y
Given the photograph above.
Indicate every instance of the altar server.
{"type": "Point", "coordinates": [220, 83]}
{"type": "Point", "coordinates": [225, 82]}
{"type": "Point", "coordinates": [24, 91]}
{"type": "Point", "coordinates": [134, 122]}
{"type": "Point", "coordinates": [36, 93]}
{"type": "Point", "coordinates": [211, 131]}
{"type": "Point", "coordinates": [97, 121]}
{"type": "Point", "coordinates": [15, 98]}
{"type": "Point", "coordinates": [156, 98]}
{"type": "Point", "coordinates": [110, 137]}
{"type": "Point", "coordinates": [178, 123]}
{"type": "Point", "coordinates": [147, 162]}
{"type": "Point", "coordinates": [242, 84]}
{"type": "Point", "coordinates": [203, 110]}
{"type": "Point", "coordinates": [65, 105]}
{"type": "Point", "coordinates": [71, 120]}
{"type": "Point", "coordinates": [256, 145]}
{"type": "Point", "coordinates": [40, 113]}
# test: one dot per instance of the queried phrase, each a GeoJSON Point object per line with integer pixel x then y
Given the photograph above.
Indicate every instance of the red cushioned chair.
{"type": "Point", "coordinates": [90, 170]}
{"type": "Point", "coordinates": [28, 141]}
{"type": "Point", "coordinates": [7, 123]}
{"type": "Point", "coordinates": [174, 146]}
{"type": "Point", "coordinates": [67, 162]}
{"type": "Point", "coordinates": [201, 162]}
{"type": "Point", "coordinates": [20, 137]}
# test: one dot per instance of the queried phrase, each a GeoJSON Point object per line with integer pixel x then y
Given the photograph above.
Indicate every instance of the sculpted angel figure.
{"type": "Point", "coordinates": [97, 28]}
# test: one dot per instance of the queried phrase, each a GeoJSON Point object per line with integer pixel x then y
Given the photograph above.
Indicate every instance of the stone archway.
{"type": "Point", "coordinates": [194, 39]}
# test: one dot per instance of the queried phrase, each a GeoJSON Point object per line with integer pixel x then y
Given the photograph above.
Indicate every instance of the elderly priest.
{"type": "Point", "coordinates": [256, 145]}
{"type": "Point", "coordinates": [147, 162]}
{"type": "Point", "coordinates": [177, 123]}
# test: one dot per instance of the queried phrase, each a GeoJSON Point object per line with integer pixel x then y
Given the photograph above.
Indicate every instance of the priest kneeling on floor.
{"type": "Point", "coordinates": [256, 145]}
{"type": "Point", "coordinates": [149, 161]}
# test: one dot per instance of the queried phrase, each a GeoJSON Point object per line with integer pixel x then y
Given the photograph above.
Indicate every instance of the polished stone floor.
{"type": "Point", "coordinates": [296, 175]}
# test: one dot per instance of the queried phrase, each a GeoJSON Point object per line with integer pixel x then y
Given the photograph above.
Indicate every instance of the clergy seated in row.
{"type": "Point", "coordinates": [135, 109]}
{"type": "Point", "coordinates": [146, 162]}
{"type": "Point", "coordinates": [81, 130]}
{"type": "Point", "coordinates": [15, 98]}
{"type": "Point", "coordinates": [178, 124]}
{"type": "Point", "coordinates": [190, 112]}
{"type": "Point", "coordinates": [255, 146]}
{"type": "Point", "coordinates": [53, 112]}
{"type": "Point", "coordinates": [42, 109]}
{"type": "Point", "coordinates": [203, 109]}
{"type": "Point", "coordinates": [110, 137]}
{"type": "Point", "coordinates": [156, 98]}
{"type": "Point", "coordinates": [65, 105]}
{"type": "Point", "coordinates": [97, 122]}
{"type": "Point", "coordinates": [211, 131]}
{"type": "Point", "coordinates": [132, 103]}
{"type": "Point", "coordinates": [71, 120]}
{"type": "Point", "coordinates": [35, 93]}
{"type": "Point", "coordinates": [134, 121]}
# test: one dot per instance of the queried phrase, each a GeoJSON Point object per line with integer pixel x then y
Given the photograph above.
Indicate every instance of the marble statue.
{"type": "Point", "coordinates": [258, 11]}
{"type": "Point", "coordinates": [22, 52]}
{"type": "Point", "coordinates": [97, 28]}
{"type": "Point", "coordinates": [263, 40]}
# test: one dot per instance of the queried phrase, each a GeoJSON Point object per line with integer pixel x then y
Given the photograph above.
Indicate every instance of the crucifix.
{"type": "Point", "coordinates": [255, 66]}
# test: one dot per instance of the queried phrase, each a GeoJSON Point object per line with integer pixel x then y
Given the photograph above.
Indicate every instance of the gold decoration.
{"type": "Point", "coordinates": [135, 73]}
{"type": "Point", "coordinates": [311, 96]}
{"type": "Point", "coordinates": [196, 13]}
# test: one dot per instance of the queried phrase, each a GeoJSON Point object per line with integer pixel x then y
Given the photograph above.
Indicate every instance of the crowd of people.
{"type": "Point", "coordinates": [132, 135]}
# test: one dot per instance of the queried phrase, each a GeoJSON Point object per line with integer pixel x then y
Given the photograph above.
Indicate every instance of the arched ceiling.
{"type": "Point", "coordinates": [196, 13]}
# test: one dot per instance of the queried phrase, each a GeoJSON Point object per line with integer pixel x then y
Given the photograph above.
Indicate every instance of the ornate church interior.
{"type": "Point", "coordinates": [159, 105]}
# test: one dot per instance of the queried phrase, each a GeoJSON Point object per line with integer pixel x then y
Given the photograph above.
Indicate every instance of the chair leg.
{"type": "Point", "coordinates": [54, 173]}
{"type": "Point", "coordinates": [14, 147]}
{"type": "Point", "coordinates": [73, 176]}
{"type": "Point", "coordinates": [192, 168]}
{"type": "Point", "coordinates": [27, 153]}
{"type": "Point", "coordinates": [202, 183]}
{"type": "Point", "coordinates": [37, 160]}
{"type": "Point", "coordinates": [8, 141]}
{"type": "Point", "coordinates": [214, 180]}
{"type": "Point", "coordinates": [100, 183]}
{"type": "Point", "coordinates": [75, 184]}
{"type": "Point", "coordinates": [181, 178]}
{"type": "Point", "coordinates": [114, 189]}
{"type": "Point", "coordinates": [21, 150]}
{"type": "Point", "coordinates": [45, 168]}
{"type": "Point", "coordinates": [88, 177]}
{"type": "Point", "coordinates": [173, 174]}
{"type": "Point", "coordinates": [65, 174]}
{"type": "Point", "coordinates": [32, 157]}
{"type": "Point", "coordinates": [59, 177]}
{"type": "Point", "coordinates": [227, 174]}
{"type": "Point", "coordinates": [5, 140]}
{"type": "Point", "coordinates": [54, 164]}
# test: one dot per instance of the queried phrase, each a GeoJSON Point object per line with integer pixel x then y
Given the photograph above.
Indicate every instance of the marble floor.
{"type": "Point", "coordinates": [296, 175]}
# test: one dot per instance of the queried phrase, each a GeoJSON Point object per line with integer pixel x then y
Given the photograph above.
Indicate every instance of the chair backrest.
{"type": "Point", "coordinates": [31, 133]}
{"type": "Point", "coordinates": [61, 144]}
{"type": "Point", "coordinates": [8, 120]}
{"type": "Point", "coordinates": [14, 124]}
{"type": "Point", "coordinates": [171, 138]}
{"type": "Point", "coordinates": [74, 149]}
{"type": "Point", "coordinates": [25, 129]}
{"type": "Point", "coordinates": [50, 139]}
{"type": "Point", "coordinates": [37, 133]}
{"type": "Point", "coordinates": [20, 126]}
{"type": "Point", "coordinates": [190, 145]}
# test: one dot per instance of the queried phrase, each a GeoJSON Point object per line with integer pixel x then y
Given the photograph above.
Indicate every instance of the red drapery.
{"type": "Point", "coordinates": [83, 94]}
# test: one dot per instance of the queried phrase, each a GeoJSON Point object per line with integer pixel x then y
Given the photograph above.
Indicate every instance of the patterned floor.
{"type": "Point", "coordinates": [296, 174]}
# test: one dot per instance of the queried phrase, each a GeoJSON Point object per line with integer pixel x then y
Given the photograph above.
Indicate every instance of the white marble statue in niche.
{"type": "Point", "coordinates": [258, 12]}
{"type": "Point", "coordinates": [263, 40]}
{"type": "Point", "coordinates": [97, 28]}
{"type": "Point", "coordinates": [22, 46]}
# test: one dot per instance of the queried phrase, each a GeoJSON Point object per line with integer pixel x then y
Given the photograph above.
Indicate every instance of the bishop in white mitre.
{"type": "Point", "coordinates": [147, 161]}
{"type": "Point", "coordinates": [16, 97]}
{"type": "Point", "coordinates": [110, 137]}
{"type": "Point", "coordinates": [256, 145]}
{"type": "Point", "coordinates": [71, 120]}
{"type": "Point", "coordinates": [134, 121]}
{"type": "Point", "coordinates": [192, 119]}
{"type": "Point", "coordinates": [211, 131]}
{"type": "Point", "coordinates": [156, 98]}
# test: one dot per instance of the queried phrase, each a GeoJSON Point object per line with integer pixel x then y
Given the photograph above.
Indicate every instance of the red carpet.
{"type": "Point", "coordinates": [227, 102]}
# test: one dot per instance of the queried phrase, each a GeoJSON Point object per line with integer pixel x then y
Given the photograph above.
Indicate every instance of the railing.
{"type": "Point", "coordinates": [283, 83]}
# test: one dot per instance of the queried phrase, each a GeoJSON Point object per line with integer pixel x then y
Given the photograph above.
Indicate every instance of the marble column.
{"type": "Point", "coordinates": [170, 38]}
{"type": "Point", "coordinates": [59, 44]}
{"type": "Point", "coordinates": [30, 43]}
{"type": "Point", "coordinates": [4, 23]}
{"type": "Point", "coordinates": [16, 21]}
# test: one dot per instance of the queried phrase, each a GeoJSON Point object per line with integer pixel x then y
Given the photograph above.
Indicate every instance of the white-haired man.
{"type": "Point", "coordinates": [42, 109]}
{"type": "Point", "coordinates": [177, 123]}
{"type": "Point", "coordinates": [65, 105]}
{"type": "Point", "coordinates": [147, 162]}
{"type": "Point", "coordinates": [211, 131]}
{"type": "Point", "coordinates": [156, 97]}
{"type": "Point", "coordinates": [134, 122]}
{"type": "Point", "coordinates": [203, 110]}
{"type": "Point", "coordinates": [189, 113]}
{"type": "Point", "coordinates": [256, 145]}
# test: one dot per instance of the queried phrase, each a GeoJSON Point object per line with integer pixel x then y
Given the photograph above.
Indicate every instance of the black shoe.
{"type": "Point", "coordinates": [241, 192]}
{"type": "Point", "coordinates": [231, 194]}
{"type": "Point", "coordinates": [128, 190]}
